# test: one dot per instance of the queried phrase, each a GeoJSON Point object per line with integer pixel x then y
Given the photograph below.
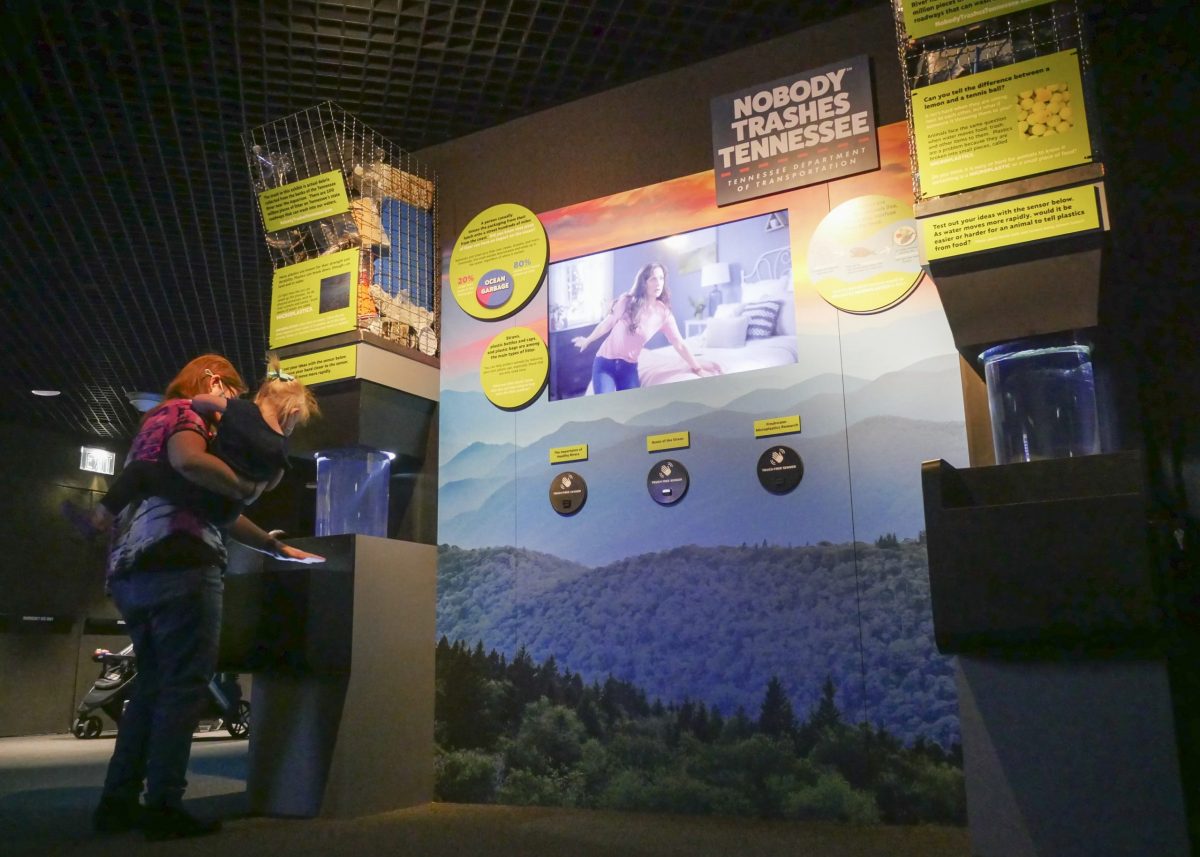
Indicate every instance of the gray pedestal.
{"type": "Point", "coordinates": [342, 655]}
{"type": "Point", "coordinates": [1045, 583]}
{"type": "Point", "coordinates": [1070, 759]}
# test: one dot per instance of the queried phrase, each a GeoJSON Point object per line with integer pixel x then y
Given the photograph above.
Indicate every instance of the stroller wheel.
{"type": "Point", "coordinates": [89, 727]}
{"type": "Point", "coordinates": [239, 724]}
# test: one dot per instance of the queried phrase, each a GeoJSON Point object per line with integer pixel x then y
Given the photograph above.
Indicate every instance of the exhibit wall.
{"type": "Point", "coordinates": [741, 649]}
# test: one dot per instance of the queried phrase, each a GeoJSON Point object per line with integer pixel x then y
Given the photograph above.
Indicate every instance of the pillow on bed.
{"type": "Point", "coordinates": [764, 290]}
{"type": "Point", "coordinates": [727, 310]}
{"type": "Point", "coordinates": [761, 318]}
{"type": "Point", "coordinates": [726, 332]}
{"type": "Point", "coordinates": [785, 325]}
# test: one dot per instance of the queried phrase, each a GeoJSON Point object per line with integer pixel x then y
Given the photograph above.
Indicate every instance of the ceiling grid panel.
{"type": "Point", "coordinates": [139, 240]}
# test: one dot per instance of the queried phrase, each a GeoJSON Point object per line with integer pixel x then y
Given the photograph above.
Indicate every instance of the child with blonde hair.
{"type": "Point", "coordinates": [250, 436]}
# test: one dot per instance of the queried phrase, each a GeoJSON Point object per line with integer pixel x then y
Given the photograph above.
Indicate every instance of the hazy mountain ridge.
{"type": "Point", "coordinates": [725, 503]}
{"type": "Point", "coordinates": [715, 624]}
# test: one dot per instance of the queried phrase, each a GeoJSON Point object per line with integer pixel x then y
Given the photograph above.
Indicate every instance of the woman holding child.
{"type": "Point", "coordinates": [164, 572]}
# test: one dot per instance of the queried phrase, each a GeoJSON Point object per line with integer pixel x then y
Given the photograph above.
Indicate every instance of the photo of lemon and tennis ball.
{"type": "Point", "coordinates": [1045, 111]}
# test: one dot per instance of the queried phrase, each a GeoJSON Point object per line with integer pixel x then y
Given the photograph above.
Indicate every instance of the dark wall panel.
{"type": "Point", "coordinates": [645, 132]}
{"type": "Point", "coordinates": [46, 569]}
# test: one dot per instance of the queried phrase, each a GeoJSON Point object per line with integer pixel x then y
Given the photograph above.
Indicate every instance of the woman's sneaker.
{"type": "Point", "coordinates": [117, 815]}
{"type": "Point", "coordinates": [173, 822]}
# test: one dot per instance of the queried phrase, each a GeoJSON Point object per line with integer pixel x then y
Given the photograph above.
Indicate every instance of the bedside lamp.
{"type": "Point", "coordinates": [715, 274]}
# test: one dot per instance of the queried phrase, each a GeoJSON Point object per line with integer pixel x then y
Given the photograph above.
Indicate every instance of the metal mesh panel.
{"type": "Point", "coordinates": [133, 244]}
{"type": "Point", "coordinates": [392, 219]}
{"type": "Point", "coordinates": [987, 45]}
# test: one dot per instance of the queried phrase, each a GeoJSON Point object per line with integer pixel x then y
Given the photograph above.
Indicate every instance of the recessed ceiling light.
{"type": "Point", "coordinates": [143, 401]}
{"type": "Point", "coordinates": [46, 392]}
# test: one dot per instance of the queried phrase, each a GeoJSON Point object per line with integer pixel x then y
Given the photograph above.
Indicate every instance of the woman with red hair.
{"type": "Point", "coordinates": [164, 573]}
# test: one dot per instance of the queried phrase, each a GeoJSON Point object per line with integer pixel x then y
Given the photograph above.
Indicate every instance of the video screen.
{"type": "Point", "coordinates": [712, 301]}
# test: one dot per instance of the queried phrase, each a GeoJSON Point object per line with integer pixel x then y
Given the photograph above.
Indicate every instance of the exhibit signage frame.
{"type": "Point", "coordinates": [314, 298]}
{"type": "Point", "coordinates": [1054, 214]}
{"type": "Point", "coordinates": [995, 126]}
{"type": "Point", "coordinates": [926, 17]}
{"type": "Point", "coordinates": [795, 131]}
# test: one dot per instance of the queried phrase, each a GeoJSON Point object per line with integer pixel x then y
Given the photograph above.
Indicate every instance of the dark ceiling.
{"type": "Point", "coordinates": [130, 237]}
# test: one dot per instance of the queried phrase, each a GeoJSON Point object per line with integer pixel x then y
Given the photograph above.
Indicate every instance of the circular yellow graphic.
{"type": "Point", "coordinates": [514, 368]}
{"type": "Point", "coordinates": [498, 262]}
{"type": "Point", "coordinates": [863, 258]}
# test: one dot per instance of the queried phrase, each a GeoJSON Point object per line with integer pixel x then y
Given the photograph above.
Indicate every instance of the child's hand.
{"type": "Point", "coordinates": [101, 519]}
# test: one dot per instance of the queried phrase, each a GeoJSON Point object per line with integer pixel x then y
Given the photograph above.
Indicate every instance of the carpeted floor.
{"type": "Point", "coordinates": [49, 785]}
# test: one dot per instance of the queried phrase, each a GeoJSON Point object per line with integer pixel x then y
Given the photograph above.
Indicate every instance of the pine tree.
{"type": "Point", "coordinates": [716, 724]}
{"type": "Point", "coordinates": [700, 722]}
{"type": "Point", "coordinates": [523, 674]}
{"type": "Point", "coordinates": [826, 715]}
{"type": "Point", "coordinates": [776, 717]}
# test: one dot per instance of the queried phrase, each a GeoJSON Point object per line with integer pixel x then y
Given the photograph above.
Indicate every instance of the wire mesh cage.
{"type": "Point", "coordinates": [1039, 31]}
{"type": "Point", "coordinates": [392, 218]}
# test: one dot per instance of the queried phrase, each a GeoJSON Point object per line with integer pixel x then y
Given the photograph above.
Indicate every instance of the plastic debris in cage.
{"type": "Point", "coordinates": [359, 192]}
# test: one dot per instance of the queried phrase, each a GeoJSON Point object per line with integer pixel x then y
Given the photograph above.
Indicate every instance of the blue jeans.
{"type": "Point", "coordinates": [173, 617]}
{"type": "Point", "coordinates": [610, 374]}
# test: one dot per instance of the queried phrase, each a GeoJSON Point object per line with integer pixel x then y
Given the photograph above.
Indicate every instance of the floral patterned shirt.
{"type": "Point", "coordinates": [155, 533]}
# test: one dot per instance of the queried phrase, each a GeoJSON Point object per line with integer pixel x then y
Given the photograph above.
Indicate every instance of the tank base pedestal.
{"type": "Point", "coordinates": [343, 661]}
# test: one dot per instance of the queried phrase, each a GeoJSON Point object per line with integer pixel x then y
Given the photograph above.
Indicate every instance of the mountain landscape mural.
{"type": "Point", "coordinates": [739, 651]}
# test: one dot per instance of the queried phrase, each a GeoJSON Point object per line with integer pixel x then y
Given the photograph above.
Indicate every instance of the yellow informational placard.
{"type": "Point", "coordinates": [863, 257]}
{"type": "Point", "coordinates": [563, 454]}
{"type": "Point", "coordinates": [926, 17]}
{"type": "Point", "coordinates": [671, 440]}
{"type": "Point", "coordinates": [1000, 125]}
{"type": "Point", "coordinates": [304, 201]}
{"type": "Point", "coordinates": [332, 364]}
{"type": "Point", "coordinates": [777, 426]}
{"type": "Point", "coordinates": [1018, 221]}
{"type": "Point", "coordinates": [514, 368]}
{"type": "Point", "coordinates": [314, 298]}
{"type": "Point", "coordinates": [498, 262]}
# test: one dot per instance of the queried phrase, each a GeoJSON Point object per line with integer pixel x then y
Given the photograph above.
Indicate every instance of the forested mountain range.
{"type": "Point", "coordinates": [714, 624]}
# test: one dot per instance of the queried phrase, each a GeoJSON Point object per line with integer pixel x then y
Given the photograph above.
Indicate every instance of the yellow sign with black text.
{"type": "Point", "coordinates": [926, 17]}
{"type": "Point", "coordinates": [777, 426]}
{"type": "Point", "coordinates": [671, 440]}
{"type": "Point", "coordinates": [514, 368]}
{"type": "Point", "coordinates": [498, 262]}
{"type": "Point", "coordinates": [314, 298]}
{"type": "Point", "coordinates": [1017, 221]}
{"type": "Point", "coordinates": [563, 454]}
{"type": "Point", "coordinates": [332, 364]}
{"type": "Point", "coordinates": [999, 125]}
{"type": "Point", "coordinates": [304, 201]}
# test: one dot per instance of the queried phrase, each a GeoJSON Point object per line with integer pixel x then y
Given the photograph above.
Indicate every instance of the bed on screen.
{"type": "Point", "coordinates": [757, 332]}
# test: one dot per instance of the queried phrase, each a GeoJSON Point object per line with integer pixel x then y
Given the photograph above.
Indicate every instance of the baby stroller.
{"type": "Point", "coordinates": [111, 690]}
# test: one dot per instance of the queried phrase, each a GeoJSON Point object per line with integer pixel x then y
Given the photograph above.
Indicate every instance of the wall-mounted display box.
{"type": "Point", "coordinates": [1042, 558]}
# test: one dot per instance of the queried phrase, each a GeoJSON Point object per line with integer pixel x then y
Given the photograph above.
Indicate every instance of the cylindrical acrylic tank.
{"type": "Point", "coordinates": [352, 491]}
{"type": "Point", "coordinates": [1042, 398]}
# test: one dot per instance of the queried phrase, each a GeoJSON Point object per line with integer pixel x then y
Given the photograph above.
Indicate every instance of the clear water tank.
{"type": "Point", "coordinates": [1042, 398]}
{"type": "Point", "coordinates": [352, 491]}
